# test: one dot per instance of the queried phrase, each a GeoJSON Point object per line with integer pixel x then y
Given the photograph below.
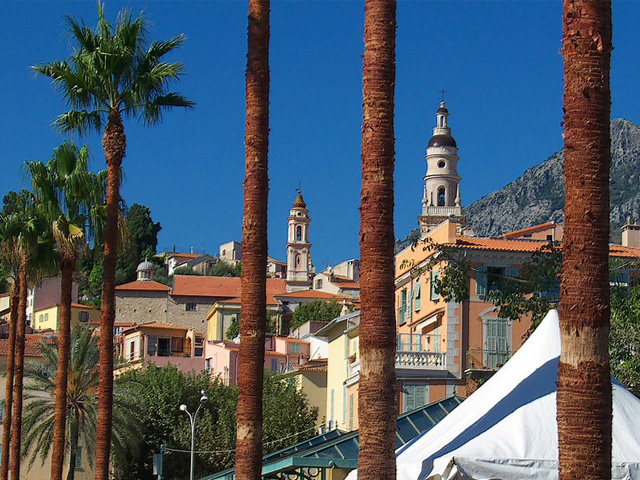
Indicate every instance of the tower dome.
{"type": "Point", "coordinates": [299, 201]}
{"type": "Point", "coordinates": [145, 271]}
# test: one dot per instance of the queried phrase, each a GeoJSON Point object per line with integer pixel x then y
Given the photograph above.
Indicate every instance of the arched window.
{"type": "Point", "coordinates": [441, 197]}
{"type": "Point", "coordinates": [298, 233]}
{"type": "Point", "coordinates": [298, 259]}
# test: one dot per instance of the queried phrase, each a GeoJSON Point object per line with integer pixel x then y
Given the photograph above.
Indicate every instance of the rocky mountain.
{"type": "Point", "coordinates": [538, 195]}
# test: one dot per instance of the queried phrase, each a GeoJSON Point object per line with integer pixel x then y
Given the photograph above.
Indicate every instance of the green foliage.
{"type": "Point", "coordinates": [186, 270]}
{"type": "Point", "coordinates": [624, 337]}
{"type": "Point", "coordinates": [160, 391]}
{"type": "Point", "coordinates": [225, 269]}
{"type": "Point", "coordinates": [143, 231]}
{"type": "Point", "coordinates": [234, 329]}
{"type": "Point", "coordinates": [81, 399]}
{"type": "Point", "coordinates": [317, 311]}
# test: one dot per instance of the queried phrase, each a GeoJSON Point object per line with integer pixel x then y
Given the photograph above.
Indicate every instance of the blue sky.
{"type": "Point", "coordinates": [498, 60]}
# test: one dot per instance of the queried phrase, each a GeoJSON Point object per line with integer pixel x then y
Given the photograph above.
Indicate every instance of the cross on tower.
{"type": "Point", "coordinates": [442, 92]}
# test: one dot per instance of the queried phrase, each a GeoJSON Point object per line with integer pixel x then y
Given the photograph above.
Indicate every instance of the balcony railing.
{"type": "Point", "coordinates": [416, 342]}
{"type": "Point", "coordinates": [479, 359]}
{"type": "Point", "coordinates": [427, 360]}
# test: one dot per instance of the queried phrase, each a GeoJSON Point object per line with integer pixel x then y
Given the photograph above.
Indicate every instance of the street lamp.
{"type": "Point", "coordinates": [192, 420]}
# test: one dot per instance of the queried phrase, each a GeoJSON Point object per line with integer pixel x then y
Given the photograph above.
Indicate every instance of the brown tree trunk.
{"type": "Point", "coordinates": [584, 382]}
{"type": "Point", "coordinates": [377, 396]}
{"type": "Point", "coordinates": [16, 420]}
{"type": "Point", "coordinates": [253, 312]}
{"type": "Point", "coordinates": [114, 144]}
{"type": "Point", "coordinates": [67, 267]}
{"type": "Point", "coordinates": [8, 402]}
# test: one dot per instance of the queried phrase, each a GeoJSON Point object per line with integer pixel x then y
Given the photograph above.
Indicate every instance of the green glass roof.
{"type": "Point", "coordinates": [340, 449]}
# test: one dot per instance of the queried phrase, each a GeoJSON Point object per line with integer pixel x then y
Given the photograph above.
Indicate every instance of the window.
{"type": "Point", "coordinates": [441, 197]}
{"type": "Point", "coordinates": [190, 306]}
{"type": "Point", "coordinates": [207, 365]}
{"type": "Point", "coordinates": [152, 345]}
{"type": "Point", "coordinates": [132, 351]}
{"type": "Point", "coordinates": [351, 412]}
{"type": "Point", "coordinates": [495, 277]}
{"type": "Point", "coordinates": [197, 352]}
{"type": "Point", "coordinates": [78, 458]}
{"type": "Point", "coordinates": [274, 364]}
{"type": "Point", "coordinates": [441, 164]}
{"type": "Point", "coordinates": [40, 318]}
{"type": "Point", "coordinates": [298, 233]}
{"type": "Point", "coordinates": [318, 284]}
{"type": "Point", "coordinates": [496, 342]}
{"type": "Point", "coordinates": [83, 317]}
{"type": "Point", "coordinates": [177, 344]}
{"type": "Point", "coordinates": [295, 348]}
{"type": "Point", "coordinates": [331, 407]}
{"type": "Point", "coordinates": [416, 296]}
{"type": "Point", "coordinates": [435, 275]}
{"type": "Point", "coordinates": [414, 396]}
{"type": "Point", "coordinates": [164, 347]}
{"type": "Point", "coordinates": [402, 311]}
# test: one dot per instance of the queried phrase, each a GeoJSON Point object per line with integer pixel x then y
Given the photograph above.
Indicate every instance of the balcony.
{"type": "Point", "coordinates": [489, 360]}
{"type": "Point", "coordinates": [421, 360]}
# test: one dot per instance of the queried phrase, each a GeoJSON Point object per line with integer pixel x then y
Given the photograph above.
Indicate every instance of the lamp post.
{"type": "Point", "coordinates": [192, 420]}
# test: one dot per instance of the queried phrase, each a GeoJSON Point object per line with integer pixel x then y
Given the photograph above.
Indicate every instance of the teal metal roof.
{"type": "Point", "coordinates": [339, 449]}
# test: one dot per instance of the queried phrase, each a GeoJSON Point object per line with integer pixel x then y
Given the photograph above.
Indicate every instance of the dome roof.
{"type": "Point", "coordinates": [442, 109]}
{"type": "Point", "coordinates": [442, 141]}
{"type": "Point", "coordinates": [146, 266]}
{"type": "Point", "coordinates": [299, 201]}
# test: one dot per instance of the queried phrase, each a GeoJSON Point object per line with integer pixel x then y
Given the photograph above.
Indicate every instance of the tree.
{"type": "Point", "coordinates": [80, 410]}
{"type": "Point", "coordinates": [160, 390]}
{"type": "Point", "coordinates": [113, 72]}
{"type": "Point", "coordinates": [143, 231]}
{"type": "Point", "coordinates": [70, 197]}
{"type": "Point", "coordinates": [377, 396]}
{"type": "Point", "coordinates": [253, 317]}
{"type": "Point", "coordinates": [233, 331]}
{"type": "Point", "coordinates": [624, 337]}
{"type": "Point", "coordinates": [317, 311]}
{"type": "Point", "coordinates": [225, 269]}
{"type": "Point", "coordinates": [584, 395]}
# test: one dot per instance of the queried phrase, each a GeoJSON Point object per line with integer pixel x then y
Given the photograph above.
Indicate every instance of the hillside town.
{"type": "Point", "coordinates": [499, 340]}
{"type": "Point", "coordinates": [445, 348]}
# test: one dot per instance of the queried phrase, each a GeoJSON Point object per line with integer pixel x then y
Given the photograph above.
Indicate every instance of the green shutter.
{"type": "Point", "coordinates": [416, 296]}
{"type": "Point", "coordinates": [434, 274]}
{"type": "Point", "coordinates": [481, 280]}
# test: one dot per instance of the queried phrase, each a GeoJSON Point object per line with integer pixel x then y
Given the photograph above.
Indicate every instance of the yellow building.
{"type": "Point", "coordinates": [49, 318]}
{"type": "Point", "coordinates": [311, 379]}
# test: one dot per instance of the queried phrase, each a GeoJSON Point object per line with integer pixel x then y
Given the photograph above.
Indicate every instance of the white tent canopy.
{"type": "Point", "coordinates": [507, 429]}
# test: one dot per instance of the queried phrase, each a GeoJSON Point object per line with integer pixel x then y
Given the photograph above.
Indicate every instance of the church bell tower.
{"type": "Point", "coordinates": [299, 265]}
{"type": "Point", "coordinates": [441, 196]}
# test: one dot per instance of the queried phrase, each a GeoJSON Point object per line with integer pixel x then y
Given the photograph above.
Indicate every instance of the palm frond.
{"type": "Point", "coordinates": [81, 121]}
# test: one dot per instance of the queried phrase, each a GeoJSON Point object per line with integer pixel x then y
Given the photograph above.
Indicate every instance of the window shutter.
{"type": "Point", "coordinates": [481, 280]}
{"type": "Point", "coordinates": [416, 296]}
{"type": "Point", "coordinates": [434, 274]}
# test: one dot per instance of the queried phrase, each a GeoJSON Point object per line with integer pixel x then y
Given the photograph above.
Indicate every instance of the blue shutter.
{"type": "Point", "coordinates": [481, 280]}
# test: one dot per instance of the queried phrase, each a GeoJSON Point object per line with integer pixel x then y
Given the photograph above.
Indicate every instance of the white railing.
{"type": "Point", "coordinates": [353, 368]}
{"type": "Point", "coordinates": [435, 360]}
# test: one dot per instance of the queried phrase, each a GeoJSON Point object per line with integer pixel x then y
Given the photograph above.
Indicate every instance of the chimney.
{"type": "Point", "coordinates": [630, 234]}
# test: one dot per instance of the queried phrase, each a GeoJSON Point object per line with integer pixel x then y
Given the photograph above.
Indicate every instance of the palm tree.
{"type": "Point", "coordinates": [253, 311]}
{"type": "Point", "coordinates": [584, 383]}
{"type": "Point", "coordinates": [24, 225]}
{"type": "Point", "coordinates": [40, 411]}
{"type": "Point", "coordinates": [65, 190]}
{"type": "Point", "coordinates": [377, 393]}
{"type": "Point", "coordinates": [113, 72]}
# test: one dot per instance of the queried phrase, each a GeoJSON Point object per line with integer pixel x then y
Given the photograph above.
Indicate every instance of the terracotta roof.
{"type": "Point", "coordinates": [316, 365]}
{"type": "Point", "coordinates": [116, 324]}
{"type": "Point", "coordinates": [2, 295]}
{"type": "Point", "coordinates": [88, 307]}
{"type": "Point", "coordinates": [622, 251]}
{"type": "Point", "coordinates": [185, 255]}
{"type": "Point", "coordinates": [167, 326]}
{"type": "Point", "coordinates": [535, 228]}
{"type": "Point", "coordinates": [497, 244]}
{"type": "Point", "coordinates": [30, 344]}
{"type": "Point", "coordinates": [219, 287]}
{"type": "Point", "coordinates": [140, 286]}
{"type": "Point", "coordinates": [273, 260]}
{"type": "Point", "coordinates": [317, 294]}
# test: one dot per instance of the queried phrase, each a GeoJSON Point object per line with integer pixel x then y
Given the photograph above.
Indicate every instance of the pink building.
{"type": "Point", "coordinates": [222, 358]}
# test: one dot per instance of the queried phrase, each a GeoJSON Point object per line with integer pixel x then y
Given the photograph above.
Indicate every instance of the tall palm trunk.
{"type": "Point", "coordinates": [584, 385]}
{"type": "Point", "coordinates": [73, 447]}
{"type": "Point", "coordinates": [67, 267]}
{"type": "Point", "coordinates": [253, 316]}
{"type": "Point", "coordinates": [377, 392]}
{"type": "Point", "coordinates": [8, 402]}
{"type": "Point", "coordinates": [114, 144]}
{"type": "Point", "coordinates": [16, 420]}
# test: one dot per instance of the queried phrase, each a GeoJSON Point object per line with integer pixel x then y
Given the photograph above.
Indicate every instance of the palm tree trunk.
{"type": "Point", "coordinates": [584, 384]}
{"type": "Point", "coordinates": [8, 402]}
{"type": "Point", "coordinates": [114, 144]}
{"type": "Point", "coordinates": [16, 420]}
{"type": "Point", "coordinates": [73, 447]}
{"type": "Point", "coordinates": [67, 267]}
{"type": "Point", "coordinates": [377, 402]}
{"type": "Point", "coordinates": [253, 312]}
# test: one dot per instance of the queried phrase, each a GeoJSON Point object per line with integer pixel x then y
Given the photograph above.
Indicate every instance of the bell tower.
{"type": "Point", "coordinates": [441, 196]}
{"type": "Point", "coordinates": [299, 265]}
